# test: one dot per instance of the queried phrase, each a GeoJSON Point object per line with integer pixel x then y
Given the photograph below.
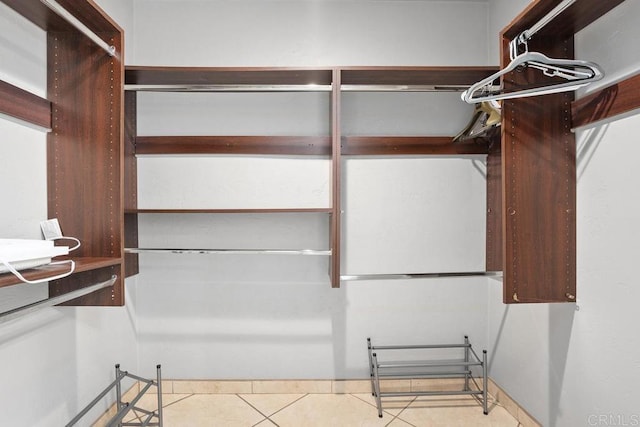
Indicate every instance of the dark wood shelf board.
{"type": "Point", "coordinates": [408, 145]}
{"type": "Point", "coordinates": [24, 105]}
{"type": "Point", "coordinates": [143, 75]}
{"type": "Point", "coordinates": [275, 145]}
{"type": "Point", "coordinates": [420, 76]}
{"type": "Point", "coordinates": [82, 265]}
{"type": "Point", "coordinates": [613, 100]}
{"type": "Point", "coordinates": [87, 11]}
{"type": "Point", "coordinates": [572, 20]}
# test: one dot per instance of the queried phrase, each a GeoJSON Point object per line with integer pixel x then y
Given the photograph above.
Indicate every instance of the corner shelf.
{"type": "Point", "coordinates": [83, 110]}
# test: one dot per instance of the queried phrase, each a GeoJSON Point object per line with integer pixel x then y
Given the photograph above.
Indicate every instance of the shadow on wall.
{"type": "Point", "coordinates": [560, 326]}
{"type": "Point", "coordinates": [525, 320]}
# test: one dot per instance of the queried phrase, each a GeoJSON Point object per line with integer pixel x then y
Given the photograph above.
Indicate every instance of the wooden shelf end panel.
{"type": "Point", "coordinates": [539, 194]}
{"type": "Point", "coordinates": [111, 296]}
{"type": "Point", "coordinates": [23, 105]}
{"type": "Point", "coordinates": [494, 208]}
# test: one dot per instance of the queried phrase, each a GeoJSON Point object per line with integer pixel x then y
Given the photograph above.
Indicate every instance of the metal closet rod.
{"type": "Point", "coordinates": [227, 88]}
{"type": "Point", "coordinates": [420, 275]}
{"type": "Point", "coordinates": [527, 34]}
{"type": "Point", "coordinates": [67, 16]}
{"type": "Point", "coordinates": [228, 251]}
{"type": "Point", "coordinates": [289, 88]}
{"type": "Point", "coordinates": [49, 302]}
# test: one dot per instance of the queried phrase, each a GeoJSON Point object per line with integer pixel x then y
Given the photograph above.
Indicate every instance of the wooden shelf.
{"type": "Point", "coordinates": [265, 145]}
{"type": "Point", "coordinates": [575, 18]}
{"type": "Point", "coordinates": [82, 265]}
{"type": "Point", "coordinates": [414, 76]}
{"type": "Point", "coordinates": [85, 10]}
{"type": "Point", "coordinates": [613, 100]}
{"type": "Point", "coordinates": [408, 145]}
{"type": "Point", "coordinates": [23, 105]}
{"type": "Point", "coordinates": [251, 76]}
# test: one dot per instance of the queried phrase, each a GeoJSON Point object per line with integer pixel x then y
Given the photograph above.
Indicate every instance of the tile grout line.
{"type": "Point", "coordinates": [286, 406]}
{"type": "Point", "coordinates": [266, 417]}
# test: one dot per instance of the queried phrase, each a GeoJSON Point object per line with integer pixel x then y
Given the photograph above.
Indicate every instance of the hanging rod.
{"type": "Point", "coordinates": [64, 14]}
{"type": "Point", "coordinates": [402, 88]}
{"type": "Point", "coordinates": [420, 275]}
{"type": "Point", "coordinates": [527, 34]}
{"type": "Point", "coordinates": [229, 251]}
{"type": "Point", "coordinates": [227, 88]}
{"type": "Point", "coordinates": [30, 308]}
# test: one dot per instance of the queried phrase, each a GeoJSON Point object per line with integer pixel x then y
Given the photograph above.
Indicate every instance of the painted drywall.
{"type": "Point", "coordinates": [579, 364]}
{"type": "Point", "coordinates": [310, 33]}
{"type": "Point", "coordinates": [273, 316]}
{"type": "Point", "coordinates": [55, 361]}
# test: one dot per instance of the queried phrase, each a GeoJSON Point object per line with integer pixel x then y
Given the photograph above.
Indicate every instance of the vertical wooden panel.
{"type": "Point", "coordinates": [539, 180]}
{"type": "Point", "coordinates": [130, 183]}
{"type": "Point", "coordinates": [336, 215]}
{"type": "Point", "coordinates": [494, 207]}
{"type": "Point", "coordinates": [85, 153]}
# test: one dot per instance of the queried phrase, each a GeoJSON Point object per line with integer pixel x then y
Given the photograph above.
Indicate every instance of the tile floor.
{"type": "Point", "coordinates": [322, 410]}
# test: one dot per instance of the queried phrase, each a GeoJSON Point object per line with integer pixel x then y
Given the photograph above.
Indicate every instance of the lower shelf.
{"type": "Point", "coordinates": [123, 408]}
{"type": "Point", "coordinates": [82, 264]}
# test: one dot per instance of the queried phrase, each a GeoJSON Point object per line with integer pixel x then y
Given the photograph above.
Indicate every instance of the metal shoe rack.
{"type": "Point", "coordinates": [149, 418]}
{"type": "Point", "coordinates": [381, 367]}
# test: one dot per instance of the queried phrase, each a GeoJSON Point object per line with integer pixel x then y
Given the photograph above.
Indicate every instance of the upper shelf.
{"type": "Point", "coordinates": [575, 18]}
{"type": "Point", "coordinates": [82, 264]}
{"type": "Point", "coordinates": [412, 78]}
{"type": "Point", "coordinates": [84, 10]}
{"type": "Point", "coordinates": [226, 78]}
{"type": "Point", "coordinates": [141, 78]}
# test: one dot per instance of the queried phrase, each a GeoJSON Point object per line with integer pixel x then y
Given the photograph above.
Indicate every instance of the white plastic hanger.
{"type": "Point", "coordinates": [577, 73]}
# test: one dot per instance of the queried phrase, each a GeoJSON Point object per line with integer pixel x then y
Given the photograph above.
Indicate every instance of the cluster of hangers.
{"type": "Point", "coordinates": [570, 75]}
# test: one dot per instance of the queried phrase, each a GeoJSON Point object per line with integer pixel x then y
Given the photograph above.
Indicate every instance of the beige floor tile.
{"type": "Point", "coordinates": [399, 423]}
{"type": "Point", "coordinates": [322, 410]}
{"type": "Point", "coordinates": [150, 402]}
{"type": "Point", "coordinates": [448, 411]}
{"type": "Point", "coordinates": [269, 404]}
{"type": "Point", "coordinates": [390, 405]}
{"type": "Point", "coordinates": [211, 410]}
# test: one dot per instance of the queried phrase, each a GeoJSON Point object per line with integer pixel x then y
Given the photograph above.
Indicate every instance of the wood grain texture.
{"type": "Point", "coordinates": [539, 185]}
{"type": "Point", "coordinates": [82, 264]}
{"type": "Point", "coordinates": [616, 99]}
{"type": "Point", "coordinates": [267, 145]}
{"type": "Point", "coordinates": [575, 18]}
{"type": "Point", "coordinates": [408, 145]}
{"type": "Point", "coordinates": [143, 75]}
{"type": "Point", "coordinates": [85, 153]}
{"type": "Point", "coordinates": [23, 105]}
{"type": "Point", "coordinates": [426, 76]}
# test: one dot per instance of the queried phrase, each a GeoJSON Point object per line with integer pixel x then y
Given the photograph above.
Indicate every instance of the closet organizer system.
{"type": "Point", "coordinates": [92, 122]}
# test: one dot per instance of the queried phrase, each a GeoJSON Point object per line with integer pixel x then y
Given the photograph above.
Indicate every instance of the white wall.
{"type": "Point", "coordinates": [53, 362]}
{"type": "Point", "coordinates": [276, 316]}
{"type": "Point", "coordinates": [578, 364]}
